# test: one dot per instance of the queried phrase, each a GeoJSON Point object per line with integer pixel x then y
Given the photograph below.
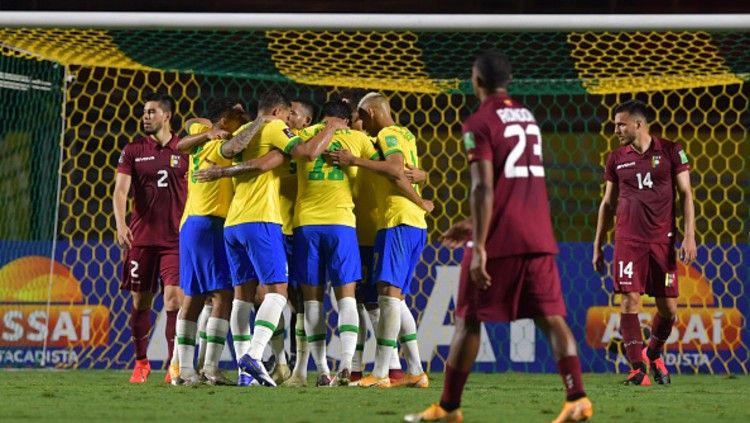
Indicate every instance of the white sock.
{"type": "Point", "coordinates": [303, 353]}
{"type": "Point", "coordinates": [277, 341]}
{"type": "Point", "coordinates": [216, 336]}
{"type": "Point", "coordinates": [239, 323]}
{"type": "Point", "coordinates": [315, 328]}
{"type": "Point", "coordinates": [202, 320]}
{"type": "Point", "coordinates": [266, 320]}
{"type": "Point", "coordinates": [374, 315]}
{"type": "Point", "coordinates": [408, 339]}
{"type": "Point", "coordinates": [358, 364]}
{"type": "Point", "coordinates": [395, 363]}
{"type": "Point", "coordinates": [186, 331]}
{"type": "Point", "coordinates": [386, 333]}
{"type": "Point", "coordinates": [348, 330]}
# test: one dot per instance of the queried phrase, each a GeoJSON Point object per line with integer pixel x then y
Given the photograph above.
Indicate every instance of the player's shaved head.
{"type": "Point", "coordinates": [635, 108]}
{"type": "Point", "coordinates": [493, 69]}
{"type": "Point", "coordinates": [374, 100]}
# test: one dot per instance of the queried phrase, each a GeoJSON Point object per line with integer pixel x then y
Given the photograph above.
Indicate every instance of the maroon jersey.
{"type": "Point", "coordinates": [646, 182]}
{"type": "Point", "coordinates": [505, 133]}
{"type": "Point", "coordinates": [159, 190]}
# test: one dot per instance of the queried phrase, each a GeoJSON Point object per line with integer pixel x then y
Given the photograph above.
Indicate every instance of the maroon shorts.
{"type": "Point", "coordinates": [645, 268]}
{"type": "Point", "coordinates": [144, 267]}
{"type": "Point", "coordinates": [522, 286]}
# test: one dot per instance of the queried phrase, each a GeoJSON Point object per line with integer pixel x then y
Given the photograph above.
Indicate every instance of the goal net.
{"type": "Point", "coordinates": [69, 100]}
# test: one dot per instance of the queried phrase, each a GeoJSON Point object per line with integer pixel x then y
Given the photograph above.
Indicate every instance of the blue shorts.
{"type": "Point", "coordinates": [255, 253]}
{"type": "Point", "coordinates": [288, 246]}
{"type": "Point", "coordinates": [326, 253]}
{"type": "Point", "coordinates": [203, 260]}
{"type": "Point", "coordinates": [367, 289]}
{"type": "Point", "coordinates": [397, 252]}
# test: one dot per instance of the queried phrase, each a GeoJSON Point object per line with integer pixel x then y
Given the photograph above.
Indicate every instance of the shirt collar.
{"type": "Point", "coordinates": [655, 146]}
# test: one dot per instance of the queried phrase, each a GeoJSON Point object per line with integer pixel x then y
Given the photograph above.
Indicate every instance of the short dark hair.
{"type": "Point", "coordinates": [351, 96]}
{"type": "Point", "coordinates": [218, 107]}
{"type": "Point", "coordinates": [494, 68]}
{"type": "Point", "coordinates": [307, 106]}
{"type": "Point", "coordinates": [337, 108]}
{"type": "Point", "coordinates": [272, 99]}
{"type": "Point", "coordinates": [166, 101]}
{"type": "Point", "coordinates": [634, 107]}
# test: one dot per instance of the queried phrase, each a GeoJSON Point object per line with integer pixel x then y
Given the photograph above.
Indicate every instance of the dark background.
{"type": "Point", "coordinates": [388, 6]}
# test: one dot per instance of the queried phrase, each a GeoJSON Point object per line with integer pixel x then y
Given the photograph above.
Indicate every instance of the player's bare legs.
{"type": "Point", "coordinates": [632, 338]}
{"type": "Point", "coordinates": [348, 329]}
{"type": "Point", "coordinates": [140, 326]}
{"type": "Point", "coordinates": [315, 328]}
{"type": "Point", "coordinates": [661, 328]}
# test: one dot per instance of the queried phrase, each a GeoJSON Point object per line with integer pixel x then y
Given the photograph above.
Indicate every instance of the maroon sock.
{"type": "Point", "coordinates": [140, 326]}
{"type": "Point", "coordinates": [632, 339]}
{"type": "Point", "coordinates": [570, 370]}
{"type": "Point", "coordinates": [169, 333]}
{"type": "Point", "coordinates": [453, 387]}
{"type": "Point", "coordinates": [661, 328]}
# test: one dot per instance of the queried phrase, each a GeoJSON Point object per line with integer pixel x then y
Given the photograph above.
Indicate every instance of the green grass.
{"type": "Point", "coordinates": [91, 395]}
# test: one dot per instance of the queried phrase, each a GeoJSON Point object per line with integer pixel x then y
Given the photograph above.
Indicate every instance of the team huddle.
{"type": "Point", "coordinates": [267, 213]}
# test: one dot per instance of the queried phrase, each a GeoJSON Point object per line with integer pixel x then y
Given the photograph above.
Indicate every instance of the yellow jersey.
{"type": "Point", "coordinates": [288, 194]}
{"type": "Point", "coordinates": [366, 206]}
{"type": "Point", "coordinates": [324, 194]}
{"type": "Point", "coordinates": [256, 196]}
{"type": "Point", "coordinates": [395, 208]}
{"type": "Point", "coordinates": [207, 198]}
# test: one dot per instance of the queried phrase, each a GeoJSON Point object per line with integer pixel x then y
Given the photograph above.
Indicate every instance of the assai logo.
{"type": "Point", "coordinates": [26, 320]}
{"type": "Point", "coordinates": [702, 324]}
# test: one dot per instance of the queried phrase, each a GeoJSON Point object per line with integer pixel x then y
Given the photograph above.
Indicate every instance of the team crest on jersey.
{"type": "Point", "coordinates": [288, 132]}
{"type": "Point", "coordinates": [669, 280]}
{"type": "Point", "coordinates": [174, 161]}
{"type": "Point", "coordinates": [655, 161]}
{"type": "Point", "coordinates": [391, 141]}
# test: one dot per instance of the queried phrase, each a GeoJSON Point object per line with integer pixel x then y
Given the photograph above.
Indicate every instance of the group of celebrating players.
{"type": "Point", "coordinates": [242, 214]}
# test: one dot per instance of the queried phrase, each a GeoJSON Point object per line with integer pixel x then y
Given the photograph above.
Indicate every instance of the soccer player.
{"type": "Point", "coordinates": [641, 176]}
{"type": "Point", "coordinates": [154, 170]}
{"type": "Point", "coordinates": [204, 271]}
{"type": "Point", "coordinates": [509, 272]}
{"type": "Point", "coordinates": [252, 231]}
{"type": "Point", "coordinates": [325, 241]}
{"type": "Point", "coordinates": [402, 233]}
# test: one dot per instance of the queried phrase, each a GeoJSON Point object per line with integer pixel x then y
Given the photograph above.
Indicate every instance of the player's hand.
{"type": "Point", "coordinates": [457, 235]}
{"type": "Point", "coordinates": [428, 205]}
{"type": "Point", "coordinates": [478, 269]}
{"type": "Point", "coordinates": [341, 157]}
{"type": "Point", "coordinates": [209, 174]}
{"type": "Point", "coordinates": [335, 123]}
{"type": "Point", "coordinates": [124, 237]}
{"type": "Point", "coordinates": [597, 260]}
{"type": "Point", "coordinates": [415, 174]}
{"type": "Point", "coordinates": [688, 250]}
{"type": "Point", "coordinates": [217, 134]}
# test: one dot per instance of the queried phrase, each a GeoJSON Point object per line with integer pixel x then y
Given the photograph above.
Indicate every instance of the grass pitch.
{"type": "Point", "coordinates": [99, 395]}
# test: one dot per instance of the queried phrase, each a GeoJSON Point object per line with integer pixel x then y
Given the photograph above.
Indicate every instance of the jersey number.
{"type": "Point", "coordinates": [162, 181]}
{"type": "Point", "coordinates": [626, 269]}
{"type": "Point", "coordinates": [133, 269]}
{"type": "Point", "coordinates": [317, 174]}
{"type": "Point", "coordinates": [512, 170]}
{"type": "Point", "coordinates": [644, 181]}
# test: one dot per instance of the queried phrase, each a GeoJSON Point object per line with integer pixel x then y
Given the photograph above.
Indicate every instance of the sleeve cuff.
{"type": "Point", "coordinates": [292, 143]}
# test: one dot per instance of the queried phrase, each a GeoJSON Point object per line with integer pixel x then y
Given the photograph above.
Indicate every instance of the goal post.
{"type": "Point", "coordinates": [569, 70]}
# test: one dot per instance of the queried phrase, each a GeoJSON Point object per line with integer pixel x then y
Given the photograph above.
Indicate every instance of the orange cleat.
{"type": "Point", "coordinates": [141, 371]}
{"type": "Point", "coordinates": [436, 413]}
{"type": "Point", "coordinates": [412, 381]}
{"type": "Point", "coordinates": [575, 411]}
{"type": "Point", "coordinates": [372, 381]}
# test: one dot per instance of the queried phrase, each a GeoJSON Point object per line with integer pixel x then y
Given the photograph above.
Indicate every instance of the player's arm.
{"type": "Point", "coordinates": [415, 175]}
{"type": "Point", "coordinates": [315, 146]}
{"type": "Point", "coordinates": [604, 221]}
{"type": "Point", "coordinates": [269, 161]}
{"type": "Point", "coordinates": [119, 205]}
{"type": "Point", "coordinates": [239, 142]}
{"type": "Point", "coordinates": [188, 144]}
{"type": "Point", "coordinates": [688, 250]}
{"type": "Point", "coordinates": [457, 235]}
{"type": "Point", "coordinates": [482, 197]}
